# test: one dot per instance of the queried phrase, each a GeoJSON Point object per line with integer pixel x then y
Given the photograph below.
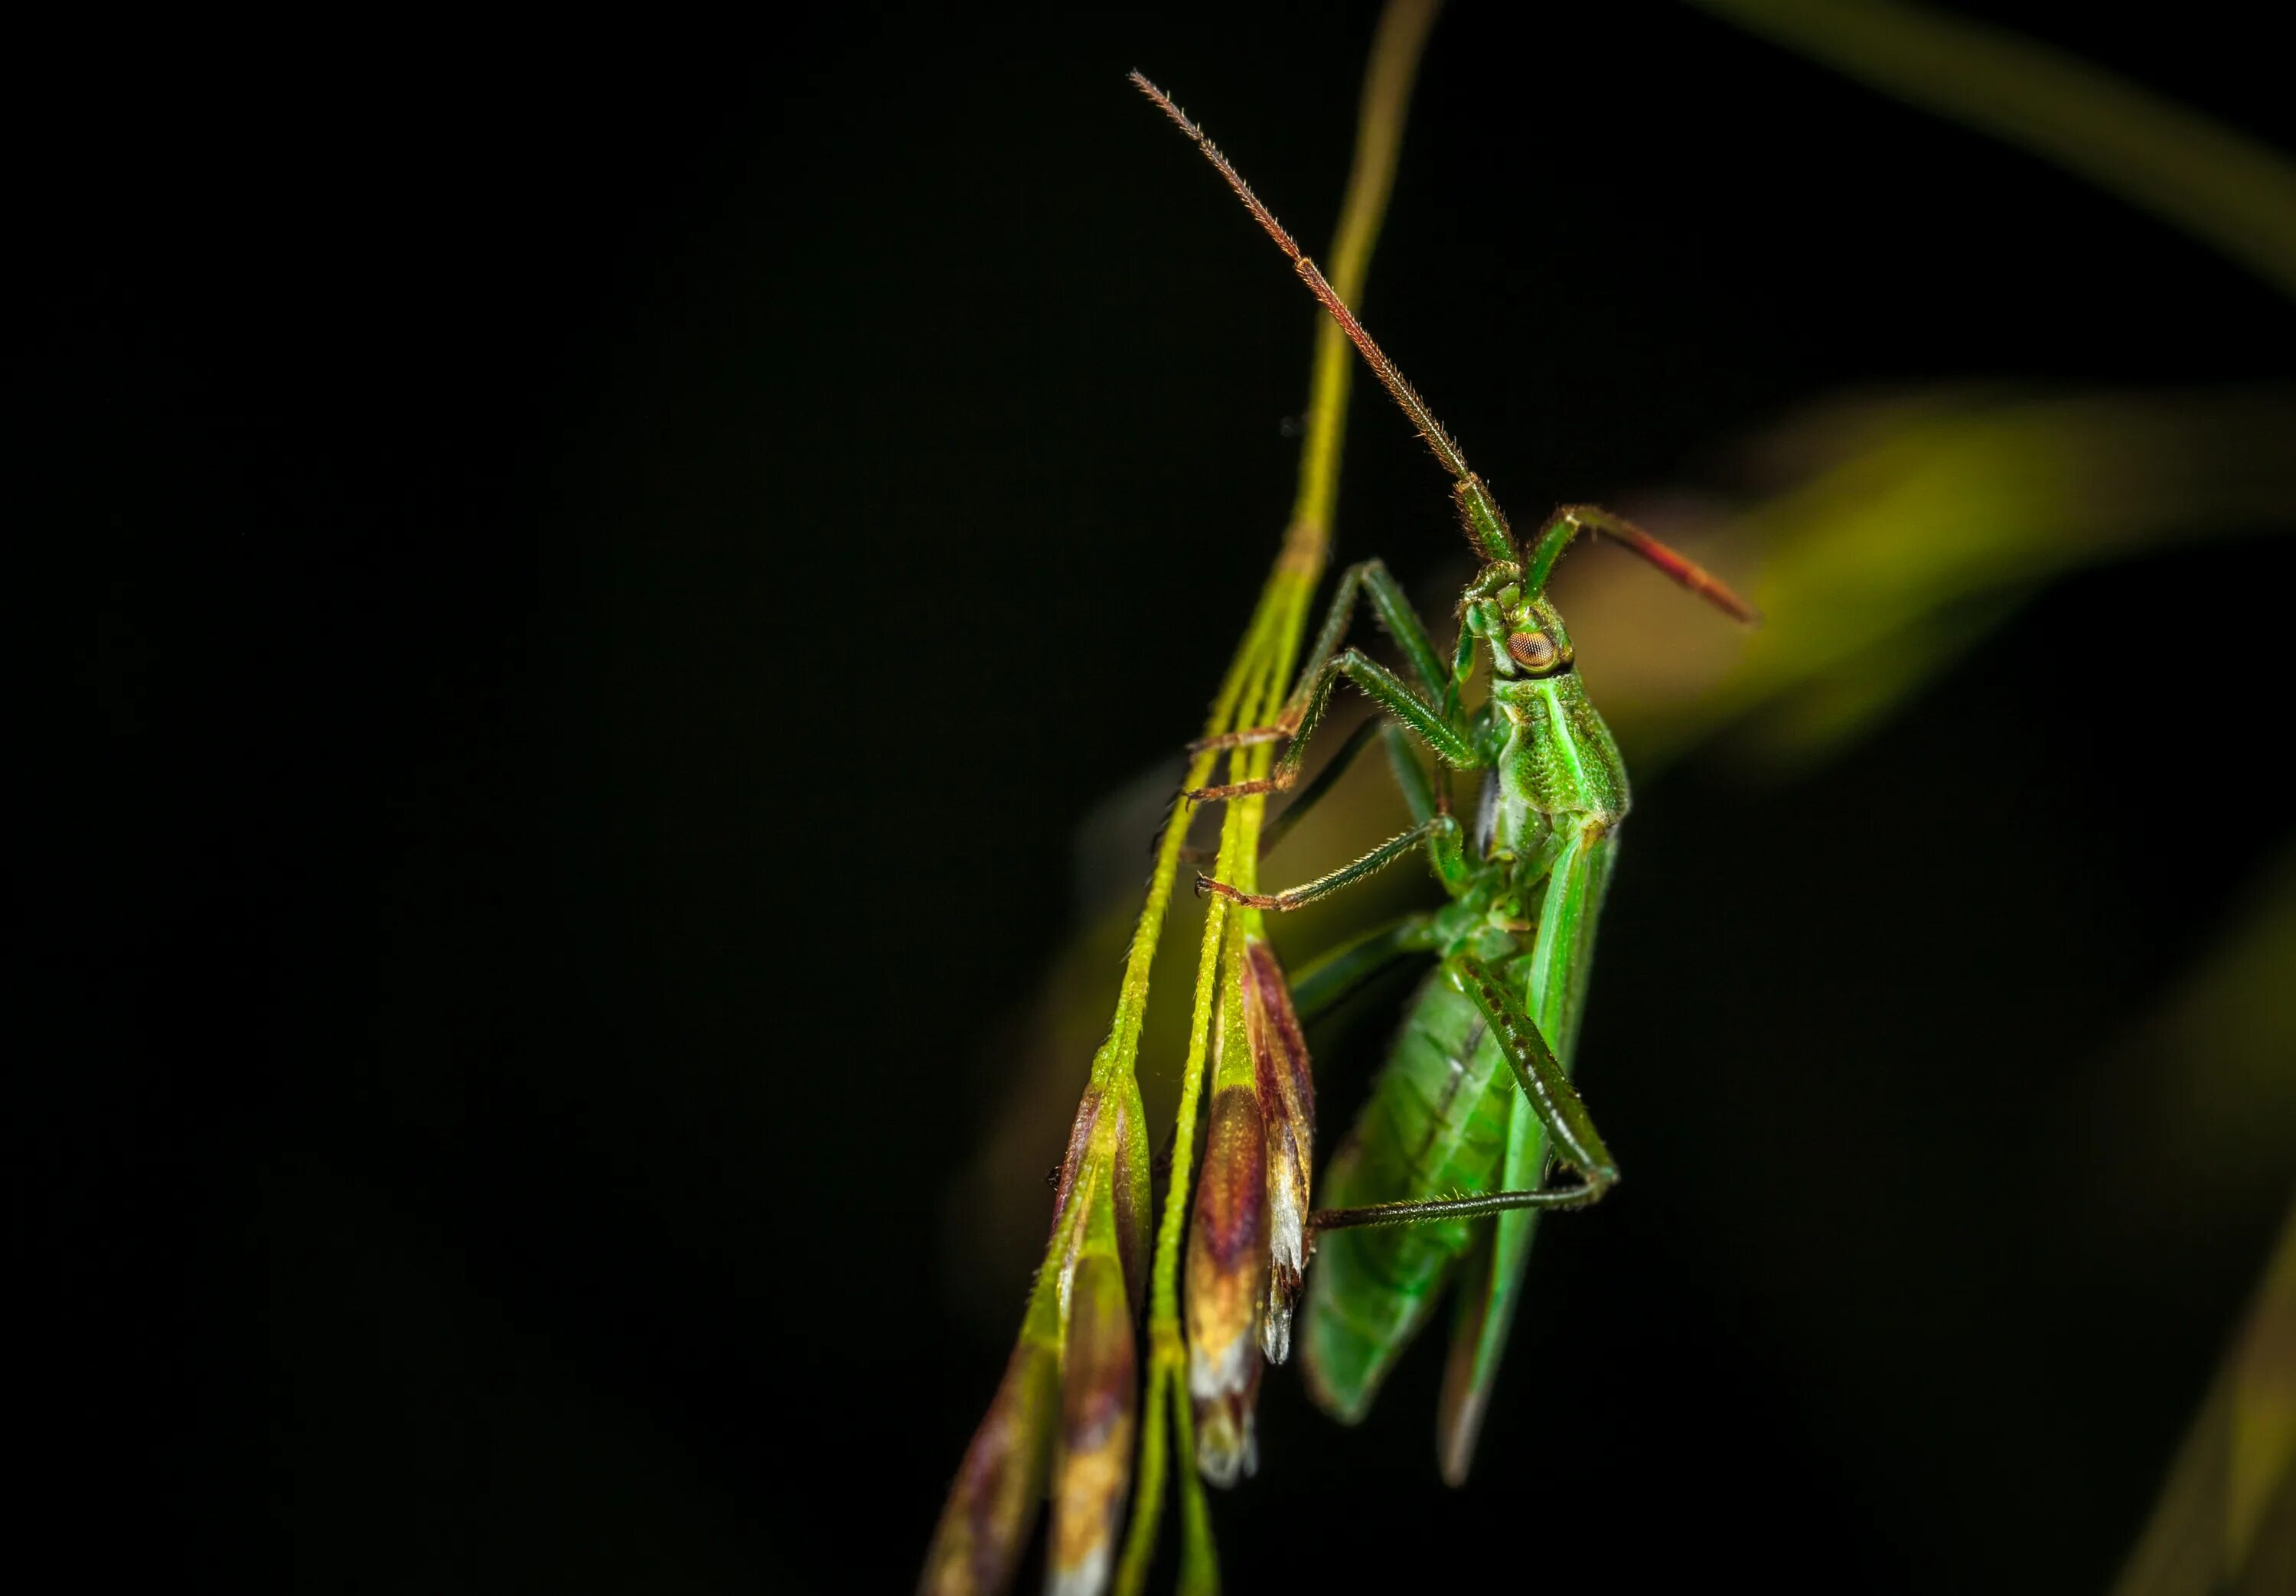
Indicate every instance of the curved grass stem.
{"type": "Point", "coordinates": [1252, 692]}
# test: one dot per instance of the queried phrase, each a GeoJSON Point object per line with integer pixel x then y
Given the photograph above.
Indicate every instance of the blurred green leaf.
{"type": "Point", "coordinates": [1908, 530]}
{"type": "Point", "coordinates": [2226, 1520]}
{"type": "Point", "coordinates": [2231, 192]}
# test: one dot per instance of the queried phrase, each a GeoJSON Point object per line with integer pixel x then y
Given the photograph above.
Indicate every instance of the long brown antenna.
{"type": "Point", "coordinates": [1382, 367]}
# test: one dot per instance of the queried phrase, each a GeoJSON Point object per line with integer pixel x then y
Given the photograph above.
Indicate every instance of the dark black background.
{"type": "Point", "coordinates": [605, 566]}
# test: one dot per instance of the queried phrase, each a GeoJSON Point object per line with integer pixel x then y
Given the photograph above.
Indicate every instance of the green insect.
{"type": "Point", "coordinates": [1442, 1178]}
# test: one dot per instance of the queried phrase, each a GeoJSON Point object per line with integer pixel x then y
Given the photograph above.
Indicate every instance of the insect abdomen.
{"type": "Point", "coordinates": [1436, 1125]}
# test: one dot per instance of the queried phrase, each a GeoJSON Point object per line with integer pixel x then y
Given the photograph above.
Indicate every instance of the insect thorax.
{"type": "Point", "coordinates": [1557, 766]}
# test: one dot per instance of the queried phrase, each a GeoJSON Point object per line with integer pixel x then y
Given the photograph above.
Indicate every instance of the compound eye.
{"type": "Point", "coordinates": [1535, 651]}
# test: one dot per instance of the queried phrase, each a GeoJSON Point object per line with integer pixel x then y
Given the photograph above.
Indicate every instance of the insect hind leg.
{"type": "Point", "coordinates": [1445, 1210]}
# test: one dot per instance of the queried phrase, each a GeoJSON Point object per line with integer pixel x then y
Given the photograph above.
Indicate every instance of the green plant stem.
{"type": "Point", "coordinates": [1251, 693]}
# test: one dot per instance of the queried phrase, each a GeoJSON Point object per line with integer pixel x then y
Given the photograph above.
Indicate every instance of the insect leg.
{"type": "Point", "coordinates": [1422, 797]}
{"type": "Point", "coordinates": [1426, 699]}
{"type": "Point", "coordinates": [1549, 1112]}
{"type": "Point", "coordinates": [1388, 600]}
{"type": "Point", "coordinates": [1439, 833]}
{"type": "Point", "coordinates": [1491, 1284]}
{"type": "Point", "coordinates": [1554, 1105]}
{"type": "Point", "coordinates": [1317, 790]}
{"type": "Point", "coordinates": [1448, 736]}
{"type": "Point", "coordinates": [1312, 794]}
{"type": "Point", "coordinates": [1443, 1210]}
{"type": "Point", "coordinates": [1568, 1127]}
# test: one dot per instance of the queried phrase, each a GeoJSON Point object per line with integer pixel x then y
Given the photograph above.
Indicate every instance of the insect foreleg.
{"type": "Point", "coordinates": [1317, 790]}
{"type": "Point", "coordinates": [1448, 736]}
{"type": "Point", "coordinates": [1419, 794]}
{"type": "Point", "coordinates": [1445, 851]}
{"type": "Point", "coordinates": [1309, 796]}
{"type": "Point", "coordinates": [1426, 694]}
{"type": "Point", "coordinates": [1371, 578]}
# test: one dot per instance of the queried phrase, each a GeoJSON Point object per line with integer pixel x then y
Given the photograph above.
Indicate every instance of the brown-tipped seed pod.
{"type": "Point", "coordinates": [1125, 1142]}
{"type": "Point", "coordinates": [1226, 1283]}
{"type": "Point", "coordinates": [1066, 1407]}
{"type": "Point", "coordinates": [1249, 1240]}
{"type": "Point", "coordinates": [992, 1504]}
{"type": "Point", "coordinates": [1098, 1398]}
{"type": "Point", "coordinates": [1285, 1086]}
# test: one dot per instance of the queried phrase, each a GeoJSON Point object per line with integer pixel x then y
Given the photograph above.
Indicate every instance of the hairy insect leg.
{"type": "Point", "coordinates": [1426, 699]}
{"type": "Point", "coordinates": [1309, 796]}
{"type": "Point", "coordinates": [1425, 799]}
{"type": "Point", "coordinates": [1445, 1210]}
{"type": "Point", "coordinates": [1568, 1127]}
{"type": "Point", "coordinates": [1548, 1096]}
{"type": "Point", "coordinates": [1372, 580]}
{"type": "Point", "coordinates": [1445, 851]}
{"type": "Point", "coordinates": [1448, 736]}
{"type": "Point", "coordinates": [1491, 1286]}
{"type": "Point", "coordinates": [1319, 788]}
